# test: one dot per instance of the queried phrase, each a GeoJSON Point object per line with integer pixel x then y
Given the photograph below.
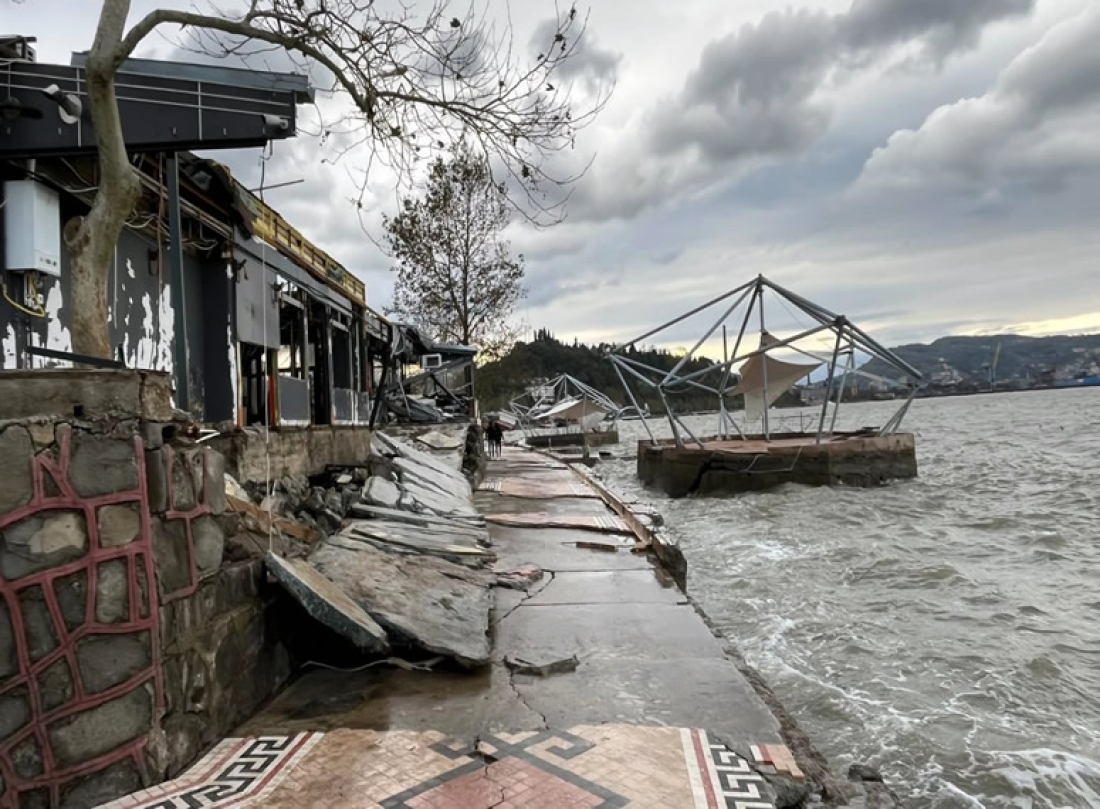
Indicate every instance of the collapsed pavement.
{"type": "Point", "coordinates": [404, 561]}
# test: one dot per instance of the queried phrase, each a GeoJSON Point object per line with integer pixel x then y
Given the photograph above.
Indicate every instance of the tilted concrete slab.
{"type": "Point", "coordinates": [431, 603]}
{"type": "Point", "coordinates": [327, 603]}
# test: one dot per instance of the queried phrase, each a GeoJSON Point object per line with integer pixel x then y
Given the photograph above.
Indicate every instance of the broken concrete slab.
{"type": "Point", "coordinates": [519, 578]}
{"type": "Point", "coordinates": [439, 440]}
{"type": "Point", "coordinates": [542, 668]}
{"type": "Point", "coordinates": [461, 530]}
{"type": "Point", "coordinates": [327, 603]}
{"type": "Point", "coordinates": [385, 445]}
{"type": "Point", "coordinates": [412, 539]}
{"type": "Point", "coordinates": [431, 603]}
{"type": "Point", "coordinates": [381, 492]}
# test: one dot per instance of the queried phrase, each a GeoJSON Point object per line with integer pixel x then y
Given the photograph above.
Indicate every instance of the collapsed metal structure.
{"type": "Point", "coordinates": [564, 396]}
{"type": "Point", "coordinates": [760, 377]}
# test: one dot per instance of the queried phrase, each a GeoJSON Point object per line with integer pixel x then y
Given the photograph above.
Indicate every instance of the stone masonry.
{"type": "Point", "coordinates": [127, 642]}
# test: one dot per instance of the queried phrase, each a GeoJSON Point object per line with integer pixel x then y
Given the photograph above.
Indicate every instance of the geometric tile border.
{"type": "Point", "coordinates": [238, 772]}
{"type": "Point", "coordinates": [606, 766]}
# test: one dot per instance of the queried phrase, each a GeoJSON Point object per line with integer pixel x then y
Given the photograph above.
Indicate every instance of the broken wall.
{"type": "Point", "coordinates": [128, 640]}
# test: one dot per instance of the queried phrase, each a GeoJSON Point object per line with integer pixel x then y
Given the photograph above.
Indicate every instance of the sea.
{"type": "Point", "coordinates": [945, 630]}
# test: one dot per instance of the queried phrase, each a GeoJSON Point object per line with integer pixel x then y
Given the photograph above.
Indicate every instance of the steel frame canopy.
{"type": "Point", "coordinates": [744, 307]}
{"type": "Point", "coordinates": [529, 407]}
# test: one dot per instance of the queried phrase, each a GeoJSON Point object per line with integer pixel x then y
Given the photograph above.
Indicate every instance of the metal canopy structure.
{"type": "Point", "coordinates": [164, 106]}
{"type": "Point", "coordinates": [564, 397]}
{"type": "Point", "coordinates": [825, 339]}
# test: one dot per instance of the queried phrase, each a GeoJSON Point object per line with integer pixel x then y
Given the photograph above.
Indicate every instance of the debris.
{"type": "Point", "coordinates": [434, 604]}
{"type": "Point", "coordinates": [519, 578]}
{"type": "Point", "coordinates": [381, 492]}
{"type": "Point", "coordinates": [232, 487]}
{"type": "Point", "coordinates": [546, 668]}
{"type": "Point", "coordinates": [327, 603]}
{"type": "Point", "coordinates": [267, 521]}
{"type": "Point", "coordinates": [598, 546]}
{"type": "Point", "coordinates": [437, 440]}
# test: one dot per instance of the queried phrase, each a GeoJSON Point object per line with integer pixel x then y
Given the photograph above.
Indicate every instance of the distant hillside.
{"type": "Point", "coordinates": [954, 359]}
{"type": "Point", "coordinates": [546, 357]}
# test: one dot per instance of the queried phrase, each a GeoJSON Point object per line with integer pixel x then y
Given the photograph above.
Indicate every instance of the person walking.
{"type": "Point", "coordinates": [494, 435]}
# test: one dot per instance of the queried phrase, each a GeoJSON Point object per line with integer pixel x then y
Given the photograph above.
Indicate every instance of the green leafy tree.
{"type": "Point", "coordinates": [456, 275]}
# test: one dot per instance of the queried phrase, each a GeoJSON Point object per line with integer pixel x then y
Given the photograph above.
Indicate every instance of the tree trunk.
{"type": "Point", "coordinates": [92, 239]}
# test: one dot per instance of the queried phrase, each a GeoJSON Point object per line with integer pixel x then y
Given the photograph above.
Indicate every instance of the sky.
{"type": "Point", "coordinates": [926, 167]}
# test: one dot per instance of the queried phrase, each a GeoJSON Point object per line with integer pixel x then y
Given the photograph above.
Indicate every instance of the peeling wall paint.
{"type": "Point", "coordinates": [9, 348]}
{"type": "Point", "coordinates": [234, 381]}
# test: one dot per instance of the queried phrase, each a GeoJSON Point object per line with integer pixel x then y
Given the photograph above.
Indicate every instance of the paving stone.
{"type": "Point", "coordinates": [15, 711]}
{"type": "Point", "coordinates": [101, 787]}
{"type": "Point", "coordinates": [118, 525]}
{"type": "Point", "coordinates": [209, 545]}
{"type": "Point", "coordinates": [9, 661]}
{"type": "Point", "coordinates": [16, 481]}
{"type": "Point", "coordinates": [37, 624]}
{"type": "Point", "coordinates": [71, 592]}
{"type": "Point", "coordinates": [172, 554]}
{"type": "Point", "coordinates": [26, 757]}
{"type": "Point", "coordinates": [45, 540]}
{"type": "Point", "coordinates": [86, 735]}
{"type": "Point", "coordinates": [107, 660]}
{"type": "Point", "coordinates": [112, 596]}
{"type": "Point", "coordinates": [102, 465]}
{"type": "Point", "coordinates": [55, 685]}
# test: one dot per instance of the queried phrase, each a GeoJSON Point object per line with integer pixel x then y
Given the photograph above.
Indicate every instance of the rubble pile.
{"type": "Point", "coordinates": [401, 556]}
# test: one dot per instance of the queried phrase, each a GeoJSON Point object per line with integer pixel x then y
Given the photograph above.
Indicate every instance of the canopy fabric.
{"type": "Point", "coordinates": [780, 375]}
{"type": "Point", "coordinates": [575, 410]}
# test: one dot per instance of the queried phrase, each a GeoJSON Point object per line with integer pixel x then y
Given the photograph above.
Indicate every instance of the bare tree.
{"type": "Point", "coordinates": [455, 274]}
{"type": "Point", "coordinates": [417, 79]}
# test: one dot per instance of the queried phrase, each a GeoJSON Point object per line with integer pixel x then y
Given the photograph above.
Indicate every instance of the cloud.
{"type": "Point", "coordinates": [1034, 128]}
{"type": "Point", "coordinates": [762, 93]}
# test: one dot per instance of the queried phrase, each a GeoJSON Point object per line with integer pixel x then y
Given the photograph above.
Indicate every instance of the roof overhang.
{"type": "Point", "coordinates": [164, 106]}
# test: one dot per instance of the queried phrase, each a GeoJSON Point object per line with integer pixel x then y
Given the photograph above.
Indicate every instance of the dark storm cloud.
{"type": "Point", "coordinates": [1031, 132]}
{"type": "Point", "coordinates": [754, 92]}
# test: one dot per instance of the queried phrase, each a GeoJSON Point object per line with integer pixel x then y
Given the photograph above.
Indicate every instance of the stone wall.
{"type": "Point", "coordinates": [128, 641]}
{"type": "Point", "coordinates": [291, 452]}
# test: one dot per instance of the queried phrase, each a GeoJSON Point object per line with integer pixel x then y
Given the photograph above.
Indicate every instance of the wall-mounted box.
{"type": "Point", "coordinates": [32, 228]}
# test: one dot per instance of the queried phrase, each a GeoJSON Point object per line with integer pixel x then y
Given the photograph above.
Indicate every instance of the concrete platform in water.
{"type": "Point", "coordinates": [728, 466]}
{"type": "Point", "coordinates": [592, 438]}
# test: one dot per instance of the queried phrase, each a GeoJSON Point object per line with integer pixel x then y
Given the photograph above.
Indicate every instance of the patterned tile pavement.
{"type": "Point", "coordinates": [600, 767]}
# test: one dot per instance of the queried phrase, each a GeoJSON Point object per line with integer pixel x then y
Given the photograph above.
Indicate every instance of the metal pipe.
{"type": "Point", "coordinates": [178, 293]}
{"type": "Point", "coordinates": [763, 331]}
{"type": "Point", "coordinates": [633, 401]}
{"type": "Point", "coordinates": [683, 317]}
{"type": "Point", "coordinates": [829, 385]}
{"type": "Point", "coordinates": [843, 385]}
{"type": "Point", "coordinates": [705, 337]}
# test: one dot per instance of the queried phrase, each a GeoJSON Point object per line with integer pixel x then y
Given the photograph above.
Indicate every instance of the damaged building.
{"type": "Point", "coordinates": [256, 325]}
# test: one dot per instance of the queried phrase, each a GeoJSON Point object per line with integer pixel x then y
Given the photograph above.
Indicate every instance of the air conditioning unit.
{"type": "Point", "coordinates": [32, 228]}
{"type": "Point", "coordinates": [430, 361]}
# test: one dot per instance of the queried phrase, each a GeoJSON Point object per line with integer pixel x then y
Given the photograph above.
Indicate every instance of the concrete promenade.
{"type": "Point", "coordinates": [605, 689]}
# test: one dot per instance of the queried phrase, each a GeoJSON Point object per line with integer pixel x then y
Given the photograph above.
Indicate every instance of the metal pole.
{"type": "Point", "coordinates": [684, 316]}
{"type": "Point", "coordinates": [829, 384]}
{"type": "Point", "coordinates": [843, 385]}
{"type": "Point", "coordinates": [175, 275]}
{"type": "Point", "coordinates": [729, 311]}
{"type": "Point", "coordinates": [722, 386]}
{"type": "Point", "coordinates": [633, 401]}
{"type": "Point", "coordinates": [763, 331]}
